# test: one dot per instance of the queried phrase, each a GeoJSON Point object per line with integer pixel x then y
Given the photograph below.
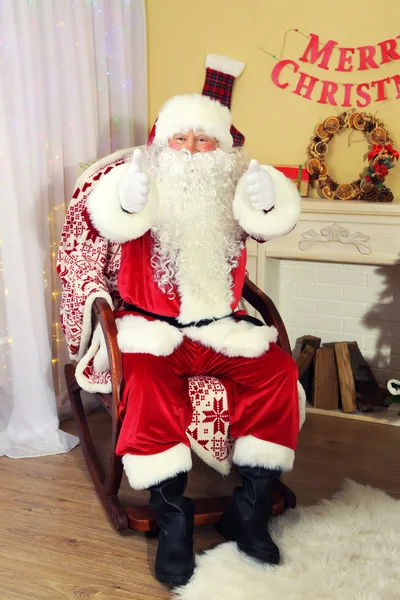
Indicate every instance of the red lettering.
{"type": "Point", "coordinates": [276, 71]}
{"type": "Point", "coordinates": [343, 59]}
{"type": "Point", "coordinates": [366, 58]}
{"type": "Point", "coordinates": [315, 53]}
{"type": "Point", "coordinates": [396, 80]}
{"type": "Point", "coordinates": [364, 95]}
{"type": "Point", "coordinates": [347, 93]}
{"type": "Point", "coordinates": [380, 85]}
{"type": "Point", "coordinates": [309, 87]}
{"type": "Point", "coordinates": [388, 49]}
{"type": "Point", "coordinates": [329, 89]}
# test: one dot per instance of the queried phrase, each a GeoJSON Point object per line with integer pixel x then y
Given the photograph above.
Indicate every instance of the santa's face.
{"type": "Point", "coordinates": [196, 238]}
{"type": "Point", "coordinates": [193, 142]}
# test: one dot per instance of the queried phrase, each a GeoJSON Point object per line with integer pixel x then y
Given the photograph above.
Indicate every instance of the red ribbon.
{"type": "Point", "coordinates": [377, 149]}
{"type": "Point", "coordinates": [390, 149]}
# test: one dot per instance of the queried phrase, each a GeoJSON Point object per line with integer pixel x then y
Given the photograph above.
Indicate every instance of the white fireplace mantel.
{"type": "Point", "coordinates": [340, 231]}
{"type": "Point", "coordinates": [331, 231]}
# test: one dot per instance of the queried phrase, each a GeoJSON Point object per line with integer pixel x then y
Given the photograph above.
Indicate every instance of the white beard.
{"type": "Point", "coordinates": [197, 241]}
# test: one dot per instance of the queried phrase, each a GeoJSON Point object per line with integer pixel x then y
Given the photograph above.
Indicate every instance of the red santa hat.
{"type": "Point", "coordinates": [209, 111]}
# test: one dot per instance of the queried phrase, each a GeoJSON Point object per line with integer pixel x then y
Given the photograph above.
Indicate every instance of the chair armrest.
{"type": "Point", "coordinates": [104, 314]}
{"type": "Point", "coordinates": [267, 309]}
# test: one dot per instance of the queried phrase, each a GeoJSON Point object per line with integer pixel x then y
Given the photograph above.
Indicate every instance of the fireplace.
{"type": "Point", "coordinates": [337, 276]}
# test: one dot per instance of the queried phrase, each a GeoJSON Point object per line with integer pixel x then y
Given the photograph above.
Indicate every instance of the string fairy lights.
{"type": "Point", "coordinates": [58, 149]}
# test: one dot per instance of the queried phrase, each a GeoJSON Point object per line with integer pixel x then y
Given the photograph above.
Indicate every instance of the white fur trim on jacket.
{"type": "Point", "coordinates": [234, 338]}
{"type": "Point", "coordinates": [107, 216]}
{"type": "Point", "coordinates": [137, 334]}
{"type": "Point", "coordinates": [278, 221]}
{"type": "Point", "coordinates": [250, 451]}
{"type": "Point", "coordinates": [223, 64]}
{"type": "Point", "coordinates": [197, 112]}
{"type": "Point", "coordinates": [144, 471]}
{"type": "Point", "coordinates": [302, 403]}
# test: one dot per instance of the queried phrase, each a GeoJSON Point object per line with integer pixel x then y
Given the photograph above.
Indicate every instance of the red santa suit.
{"type": "Point", "coordinates": [167, 338]}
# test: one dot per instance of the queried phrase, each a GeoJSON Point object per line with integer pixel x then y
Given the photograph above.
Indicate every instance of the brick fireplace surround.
{"type": "Point", "coordinates": [337, 276]}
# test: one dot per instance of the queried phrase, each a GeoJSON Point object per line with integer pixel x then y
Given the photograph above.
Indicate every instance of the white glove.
{"type": "Point", "coordinates": [259, 186]}
{"type": "Point", "coordinates": [134, 186]}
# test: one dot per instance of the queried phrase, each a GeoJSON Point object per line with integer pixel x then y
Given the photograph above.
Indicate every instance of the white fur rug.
{"type": "Point", "coordinates": [346, 548]}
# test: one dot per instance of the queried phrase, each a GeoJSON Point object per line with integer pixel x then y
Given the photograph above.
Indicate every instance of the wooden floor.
{"type": "Point", "coordinates": [56, 543]}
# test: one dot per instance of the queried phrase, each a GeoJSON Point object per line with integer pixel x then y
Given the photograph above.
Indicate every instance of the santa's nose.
{"type": "Point", "coordinates": [191, 146]}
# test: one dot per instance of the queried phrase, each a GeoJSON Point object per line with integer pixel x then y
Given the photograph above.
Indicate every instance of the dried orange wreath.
{"type": "Point", "coordinates": [370, 185]}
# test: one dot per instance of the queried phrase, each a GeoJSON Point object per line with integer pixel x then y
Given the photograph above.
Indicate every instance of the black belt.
{"type": "Point", "coordinates": [202, 323]}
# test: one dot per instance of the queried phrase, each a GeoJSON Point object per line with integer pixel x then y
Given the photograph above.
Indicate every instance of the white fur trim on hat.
{"type": "Point", "coordinates": [223, 64]}
{"type": "Point", "coordinates": [196, 112]}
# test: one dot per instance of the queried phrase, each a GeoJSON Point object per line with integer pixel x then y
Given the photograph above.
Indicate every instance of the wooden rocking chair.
{"type": "Point", "coordinates": [107, 484]}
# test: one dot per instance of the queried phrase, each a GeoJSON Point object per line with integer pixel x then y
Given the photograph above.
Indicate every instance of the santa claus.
{"type": "Point", "coordinates": [183, 209]}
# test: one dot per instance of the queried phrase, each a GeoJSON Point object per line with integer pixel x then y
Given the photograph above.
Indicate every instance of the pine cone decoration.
{"type": "Point", "coordinates": [372, 196]}
{"type": "Point", "coordinates": [377, 194]}
{"type": "Point", "coordinates": [386, 195]}
{"type": "Point", "coordinates": [369, 126]}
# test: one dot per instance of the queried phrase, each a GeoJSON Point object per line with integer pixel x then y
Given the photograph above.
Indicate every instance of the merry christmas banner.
{"type": "Point", "coordinates": [330, 56]}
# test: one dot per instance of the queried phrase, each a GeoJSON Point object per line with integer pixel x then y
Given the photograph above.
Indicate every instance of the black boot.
{"type": "Point", "coordinates": [246, 520]}
{"type": "Point", "coordinates": [175, 518]}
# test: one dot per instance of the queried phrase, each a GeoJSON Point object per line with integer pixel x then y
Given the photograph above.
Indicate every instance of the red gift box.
{"type": "Point", "coordinates": [298, 174]}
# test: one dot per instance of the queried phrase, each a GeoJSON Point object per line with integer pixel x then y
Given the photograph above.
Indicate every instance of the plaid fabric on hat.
{"type": "Point", "coordinates": [238, 138]}
{"type": "Point", "coordinates": [219, 87]}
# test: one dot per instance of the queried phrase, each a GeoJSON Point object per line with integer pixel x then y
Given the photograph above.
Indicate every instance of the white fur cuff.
{"type": "Point", "coordinates": [224, 64]}
{"type": "Point", "coordinates": [107, 215]}
{"type": "Point", "coordinates": [250, 451]}
{"type": "Point", "coordinates": [144, 471]}
{"type": "Point", "coordinates": [280, 220]}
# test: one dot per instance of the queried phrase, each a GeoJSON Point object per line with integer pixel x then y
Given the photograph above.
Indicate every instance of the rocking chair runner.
{"type": "Point", "coordinates": [107, 483]}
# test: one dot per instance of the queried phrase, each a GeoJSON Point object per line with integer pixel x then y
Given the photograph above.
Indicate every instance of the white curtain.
{"type": "Point", "coordinates": [72, 89]}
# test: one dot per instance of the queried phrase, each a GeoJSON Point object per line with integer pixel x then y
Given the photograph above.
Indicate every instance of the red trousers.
{"type": "Point", "coordinates": [156, 409]}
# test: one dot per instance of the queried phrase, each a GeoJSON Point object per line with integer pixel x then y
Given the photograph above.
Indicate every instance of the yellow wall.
{"type": "Point", "coordinates": [277, 124]}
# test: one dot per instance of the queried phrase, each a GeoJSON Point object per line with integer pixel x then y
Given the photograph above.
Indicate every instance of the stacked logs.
{"type": "Point", "coordinates": [336, 375]}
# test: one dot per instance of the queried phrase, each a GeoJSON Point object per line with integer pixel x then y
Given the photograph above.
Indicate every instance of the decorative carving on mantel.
{"type": "Point", "coordinates": [336, 233]}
